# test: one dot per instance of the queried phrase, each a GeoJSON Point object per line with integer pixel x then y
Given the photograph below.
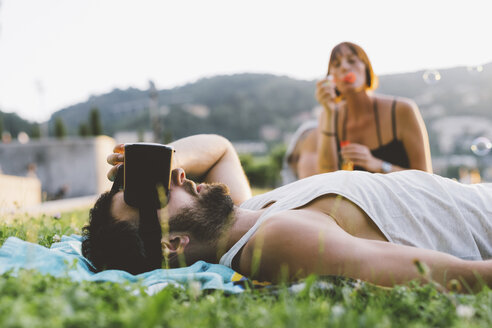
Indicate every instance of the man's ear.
{"type": "Point", "coordinates": [175, 243]}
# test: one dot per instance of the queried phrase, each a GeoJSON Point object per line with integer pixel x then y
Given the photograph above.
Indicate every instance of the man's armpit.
{"type": "Point", "coordinates": [286, 249]}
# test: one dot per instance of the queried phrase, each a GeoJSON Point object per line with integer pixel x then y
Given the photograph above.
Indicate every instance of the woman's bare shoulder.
{"type": "Point", "coordinates": [403, 104]}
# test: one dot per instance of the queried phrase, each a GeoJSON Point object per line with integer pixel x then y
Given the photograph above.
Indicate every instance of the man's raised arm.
{"type": "Point", "coordinates": [214, 159]}
{"type": "Point", "coordinates": [207, 156]}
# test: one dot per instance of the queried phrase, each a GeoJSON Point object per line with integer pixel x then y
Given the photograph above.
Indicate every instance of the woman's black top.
{"type": "Point", "coordinates": [392, 152]}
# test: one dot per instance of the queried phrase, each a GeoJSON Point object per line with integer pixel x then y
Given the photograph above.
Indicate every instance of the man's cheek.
{"type": "Point", "coordinates": [163, 214]}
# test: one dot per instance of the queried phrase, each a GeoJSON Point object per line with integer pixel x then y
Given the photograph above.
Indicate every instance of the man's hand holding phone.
{"type": "Point", "coordinates": [147, 167]}
{"type": "Point", "coordinates": [116, 159]}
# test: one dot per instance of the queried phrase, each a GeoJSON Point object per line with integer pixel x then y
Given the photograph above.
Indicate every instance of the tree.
{"type": "Point", "coordinates": [1, 125]}
{"type": "Point", "coordinates": [95, 122]}
{"type": "Point", "coordinates": [83, 130]}
{"type": "Point", "coordinates": [60, 129]}
{"type": "Point", "coordinates": [35, 131]}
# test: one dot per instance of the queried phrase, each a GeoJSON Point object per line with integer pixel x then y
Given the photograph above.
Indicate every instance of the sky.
{"type": "Point", "coordinates": [56, 53]}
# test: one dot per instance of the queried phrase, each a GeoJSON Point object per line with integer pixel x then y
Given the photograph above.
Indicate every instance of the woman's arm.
{"type": "Point", "coordinates": [326, 145]}
{"type": "Point", "coordinates": [413, 134]}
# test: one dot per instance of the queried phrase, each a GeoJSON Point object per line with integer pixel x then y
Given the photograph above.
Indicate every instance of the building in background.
{"type": "Point", "coordinates": [67, 168]}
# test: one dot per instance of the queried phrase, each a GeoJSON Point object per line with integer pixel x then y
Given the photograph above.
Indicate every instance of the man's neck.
{"type": "Point", "coordinates": [242, 221]}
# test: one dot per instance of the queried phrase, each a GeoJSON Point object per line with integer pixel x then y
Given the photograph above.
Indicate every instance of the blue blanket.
{"type": "Point", "coordinates": [65, 259]}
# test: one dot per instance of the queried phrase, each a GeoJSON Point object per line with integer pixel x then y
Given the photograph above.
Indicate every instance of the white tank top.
{"type": "Point", "coordinates": [410, 207]}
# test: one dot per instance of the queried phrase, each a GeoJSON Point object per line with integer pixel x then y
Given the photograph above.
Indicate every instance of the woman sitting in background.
{"type": "Point", "coordinates": [365, 131]}
{"type": "Point", "coordinates": [301, 158]}
{"type": "Point", "coordinates": [375, 133]}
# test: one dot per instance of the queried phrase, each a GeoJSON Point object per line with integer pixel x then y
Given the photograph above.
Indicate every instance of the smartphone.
{"type": "Point", "coordinates": [147, 174]}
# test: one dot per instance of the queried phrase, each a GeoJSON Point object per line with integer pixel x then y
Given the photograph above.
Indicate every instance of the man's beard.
{"type": "Point", "coordinates": [210, 214]}
{"type": "Point", "coordinates": [205, 221]}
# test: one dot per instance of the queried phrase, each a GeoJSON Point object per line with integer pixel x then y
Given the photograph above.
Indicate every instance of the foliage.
{"type": "Point", "coordinates": [277, 155]}
{"type": "Point", "coordinates": [93, 126]}
{"type": "Point", "coordinates": [95, 122]}
{"type": "Point", "coordinates": [35, 131]}
{"type": "Point", "coordinates": [264, 172]}
{"type": "Point", "coordinates": [60, 129]}
{"type": "Point", "coordinates": [30, 299]}
{"type": "Point", "coordinates": [41, 228]}
{"type": "Point", "coordinates": [258, 170]}
{"type": "Point", "coordinates": [83, 130]}
{"type": "Point", "coordinates": [12, 123]}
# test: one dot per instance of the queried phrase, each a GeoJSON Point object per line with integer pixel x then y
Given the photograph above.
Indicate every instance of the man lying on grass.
{"type": "Point", "coordinates": [373, 227]}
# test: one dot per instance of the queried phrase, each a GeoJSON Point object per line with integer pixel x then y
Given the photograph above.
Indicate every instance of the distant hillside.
{"type": "Point", "coordinates": [236, 106]}
{"type": "Point", "coordinates": [262, 106]}
{"type": "Point", "coordinates": [459, 91]}
{"type": "Point", "coordinates": [12, 123]}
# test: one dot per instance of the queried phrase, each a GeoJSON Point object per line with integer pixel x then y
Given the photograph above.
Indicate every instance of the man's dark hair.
{"type": "Point", "coordinates": [116, 244]}
{"type": "Point", "coordinates": [112, 244]}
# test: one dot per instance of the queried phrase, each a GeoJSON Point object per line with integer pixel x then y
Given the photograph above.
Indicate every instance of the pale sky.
{"type": "Point", "coordinates": [56, 53]}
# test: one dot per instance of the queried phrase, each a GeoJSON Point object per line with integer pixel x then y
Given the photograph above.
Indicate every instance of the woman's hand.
{"type": "Point", "coordinates": [116, 160]}
{"type": "Point", "coordinates": [325, 93]}
{"type": "Point", "coordinates": [361, 156]}
{"type": "Point", "coordinates": [327, 152]}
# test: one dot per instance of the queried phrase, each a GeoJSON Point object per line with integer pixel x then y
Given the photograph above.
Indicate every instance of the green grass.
{"type": "Point", "coordinates": [33, 300]}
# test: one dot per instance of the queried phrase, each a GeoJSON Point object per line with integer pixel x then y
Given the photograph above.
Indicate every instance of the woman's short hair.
{"type": "Point", "coordinates": [371, 78]}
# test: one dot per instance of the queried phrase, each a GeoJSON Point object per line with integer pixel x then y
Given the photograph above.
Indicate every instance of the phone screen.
{"type": "Point", "coordinates": [147, 174]}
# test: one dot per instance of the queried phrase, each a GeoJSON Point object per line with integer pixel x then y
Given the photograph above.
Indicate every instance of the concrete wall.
{"type": "Point", "coordinates": [76, 164]}
{"type": "Point", "coordinates": [19, 192]}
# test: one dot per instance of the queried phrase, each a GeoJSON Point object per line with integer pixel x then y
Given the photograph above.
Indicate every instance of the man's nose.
{"type": "Point", "coordinates": [178, 176]}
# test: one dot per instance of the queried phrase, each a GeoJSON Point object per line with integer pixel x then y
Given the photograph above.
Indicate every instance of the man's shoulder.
{"type": "Point", "coordinates": [281, 225]}
{"type": "Point", "coordinates": [275, 228]}
{"type": "Point", "coordinates": [284, 240]}
{"type": "Point", "coordinates": [284, 218]}
{"type": "Point", "coordinates": [269, 246]}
